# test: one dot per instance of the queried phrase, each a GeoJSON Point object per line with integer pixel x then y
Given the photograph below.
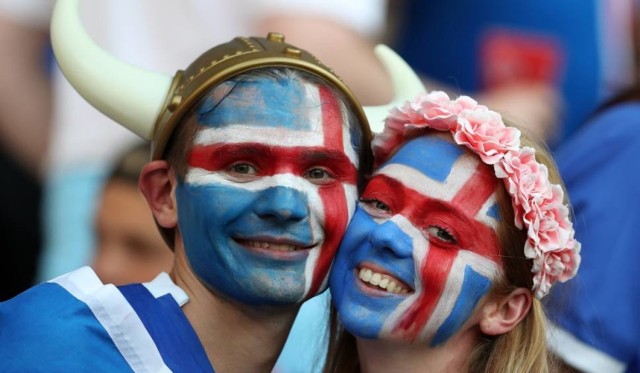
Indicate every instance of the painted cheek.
{"type": "Point", "coordinates": [362, 315]}
{"type": "Point", "coordinates": [338, 201]}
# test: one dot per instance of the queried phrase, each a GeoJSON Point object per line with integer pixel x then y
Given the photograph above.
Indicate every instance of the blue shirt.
{"type": "Point", "coordinates": [597, 325]}
{"type": "Point", "coordinates": [75, 323]}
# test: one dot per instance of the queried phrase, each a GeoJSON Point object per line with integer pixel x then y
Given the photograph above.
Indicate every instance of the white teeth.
{"type": "Point", "coordinates": [375, 279]}
{"type": "Point", "coordinates": [391, 287]}
{"type": "Point", "coordinates": [271, 246]}
{"type": "Point", "coordinates": [365, 275]}
{"type": "Point", "coordinates": [382, 281]}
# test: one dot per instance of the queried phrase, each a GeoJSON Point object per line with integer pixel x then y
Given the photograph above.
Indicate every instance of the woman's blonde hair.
{"type": "Point", "coordinates": [523, 349]}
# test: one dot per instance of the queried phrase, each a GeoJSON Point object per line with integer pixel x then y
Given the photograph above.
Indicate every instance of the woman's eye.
{"type": "Point", "coordinates": [441, 234]}
{"type": "Point", "coordinates": [375, 204]}
{"type": "Point", "coordinates": [242, 169]}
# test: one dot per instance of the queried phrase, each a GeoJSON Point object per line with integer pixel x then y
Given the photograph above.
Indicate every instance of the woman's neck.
{"type": "Point", "coordinates": [236, 337]}
{"type": "Point", "coordinates": [389, 356]}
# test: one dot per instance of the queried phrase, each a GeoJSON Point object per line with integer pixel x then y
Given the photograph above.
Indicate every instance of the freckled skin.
{"type": "Point", "coordinates": [435, 241]}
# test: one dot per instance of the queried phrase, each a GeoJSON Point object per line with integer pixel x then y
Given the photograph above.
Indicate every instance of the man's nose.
{"type": "Point", "coordinates": [282, 204]}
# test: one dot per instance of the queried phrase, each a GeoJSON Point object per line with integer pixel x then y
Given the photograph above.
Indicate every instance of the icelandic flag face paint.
{"type": "Point", "coordinates": [269, 190]}
{"type": "Point", "coordinates": [421, 250]}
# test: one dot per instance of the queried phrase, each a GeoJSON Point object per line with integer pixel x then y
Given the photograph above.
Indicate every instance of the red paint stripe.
{"type": "Point", "coordinates": [476, 191]}
{"type": "Point", "coordinates": [336, 220]}
{"type": "Point", "coordinates": [434, 272]}
{"type": "Point", "coordinates": [422, 211]}
{"type": "Point", "coordinates": [332, 121]}
{"type": "Point", "coordinates": [273, 160]}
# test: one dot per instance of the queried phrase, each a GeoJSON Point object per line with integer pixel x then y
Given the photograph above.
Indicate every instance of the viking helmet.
{"type": "Point", "coordinates": [152, 104]}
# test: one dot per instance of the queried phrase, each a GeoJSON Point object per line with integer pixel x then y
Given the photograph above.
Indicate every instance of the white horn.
{"type": "Point", "coordinates": [129, 95]}
{"type": "Point", "coordinates": [406, 85]}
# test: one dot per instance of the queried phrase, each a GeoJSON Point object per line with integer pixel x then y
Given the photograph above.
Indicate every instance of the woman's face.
{"type": "Point", "coordinates": [421, 250]}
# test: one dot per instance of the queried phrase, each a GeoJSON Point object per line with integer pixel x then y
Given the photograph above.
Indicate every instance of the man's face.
{"type": "Point", "coordinates": [421, 250]}
{"type": "Point", "coordinates": [269, 190]}
{"type": "Point", "coordinates": [129, 246]}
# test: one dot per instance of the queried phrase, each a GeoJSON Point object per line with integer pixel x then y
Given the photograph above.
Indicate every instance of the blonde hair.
{"type": "Point", "coordinates": [521, 350]}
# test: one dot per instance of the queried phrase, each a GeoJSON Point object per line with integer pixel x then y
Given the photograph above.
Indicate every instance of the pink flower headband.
{"type": "Point", "coordinates": [537, 204]}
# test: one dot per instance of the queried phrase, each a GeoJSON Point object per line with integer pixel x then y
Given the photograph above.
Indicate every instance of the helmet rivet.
{"type": "Point", "coordinates": [175, 102]}
{"type": "Point", "coordinates": [293, 52]}
{"type": "Point", "coordinates": [275, 36]}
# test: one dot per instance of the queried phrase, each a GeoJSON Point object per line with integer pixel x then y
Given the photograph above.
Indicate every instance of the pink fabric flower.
{"type": "Point", "coordinates": [523, 177]}
{"type": "Point", "coordinates": [558, 265]}
{"type": "Point", "coordinates": [482, 131]}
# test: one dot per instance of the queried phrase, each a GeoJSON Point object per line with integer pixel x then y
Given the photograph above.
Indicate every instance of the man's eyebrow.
{"type": "Point", "coordinates": [324, 155]}
{"type": "Point", "coordinates": [240, 149]}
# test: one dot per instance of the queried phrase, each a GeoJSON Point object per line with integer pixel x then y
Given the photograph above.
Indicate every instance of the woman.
{"type": "Point", "coordinates": [458, 235]}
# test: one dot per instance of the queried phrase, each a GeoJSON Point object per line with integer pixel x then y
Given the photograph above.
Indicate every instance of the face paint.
{"type": "Point", "coordinates": [269, 190]}
{"type": "Point", "coordinates": [421, 250]}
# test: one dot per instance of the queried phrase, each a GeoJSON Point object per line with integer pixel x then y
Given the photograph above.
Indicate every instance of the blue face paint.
{"type": "Point", "coordinates": [259, 102]}
{"type": "Point", "coordinates": [362, 314]}
{"type": "Point", "coordinates": [216, 220]}
{"type": "Point", "coordinates": [426, 223]}
{"type": "Point", "coordinates": [268, 190]}
{"type": "Point", "coordinates": [474, 287]}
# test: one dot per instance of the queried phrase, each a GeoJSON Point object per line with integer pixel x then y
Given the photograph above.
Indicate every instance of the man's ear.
{"type": "Point", "coordinates": [502, 313]}
{"type": "Point", "coordinates": [157, 183]}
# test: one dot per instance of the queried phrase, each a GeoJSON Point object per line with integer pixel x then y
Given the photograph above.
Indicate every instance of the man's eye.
{"type": "Point", "coordinates": [317, 174]}
{"type": "Point", "coordinates": [441, 234]}
{"type": "Point", "coordinates": [242, 169]}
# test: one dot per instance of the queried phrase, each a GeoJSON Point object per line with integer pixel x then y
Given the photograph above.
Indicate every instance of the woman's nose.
{"type": "Point", "coordinates": [390, 236]}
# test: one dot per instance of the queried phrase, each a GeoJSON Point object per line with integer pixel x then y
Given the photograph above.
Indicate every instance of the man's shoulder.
{"type": "Point", "coordinates": [47, 326]}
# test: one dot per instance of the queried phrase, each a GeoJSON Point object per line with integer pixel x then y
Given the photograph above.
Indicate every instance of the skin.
{"type": "Point", "coordinates": [130, 249]}
{"type": "Point", "coordinates": [268, 192]}
{"type": "Point", "coordinates": [426, 224]}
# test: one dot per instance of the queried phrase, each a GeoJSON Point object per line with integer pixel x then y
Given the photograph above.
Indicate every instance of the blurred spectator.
{"type": "Point", "coordinates": [544, 63]}
{"type": "Point", "coordinates": [162, 38]}
{"type": "Point", "coordinates": [24, 127]}
{"type": "Point", "coordinates": [129, 247]}
{"type": "Point", "coordinates": [598, 329]}
{"type": "Point", "coordinates": [596, 324]}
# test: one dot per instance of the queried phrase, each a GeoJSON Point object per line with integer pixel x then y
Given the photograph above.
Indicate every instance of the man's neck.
{"type": "Point", "coordinates": [236, 337]}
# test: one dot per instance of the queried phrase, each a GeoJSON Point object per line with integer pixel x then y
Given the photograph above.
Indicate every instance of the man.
{"type": "Point", "coordinates": [256, 152]}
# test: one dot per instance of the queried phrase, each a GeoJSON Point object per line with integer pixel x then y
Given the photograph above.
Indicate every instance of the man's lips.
{"type": "Point", "coordinates": [278, 247]}
{"type": "Point", "coordinates": [380, 280]}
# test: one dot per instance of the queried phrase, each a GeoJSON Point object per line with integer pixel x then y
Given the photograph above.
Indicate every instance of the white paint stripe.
{"type": "Point", "coordinates": [317, 208]}
{"type": "Point", "coordinates": [414, 179]}
{"type": "Point", "coordinates": [351, 195]}
{"type": "Point", "coordinates": [278, 134]}
{"type": "Point", "coordinates": [482, 214]}
{"type": "Point", "coordinates": [272, 136]}
{"type": "Point", "coordinates": [117, 317]}
{"type": "Point", "coordinates": [420, 251]}
{"type": "Point", "coordinates": [346, 138]}
{"type": "Point", "coordinates": [445, 304]}
{"type": "Point", "coordinates": [579, 354]}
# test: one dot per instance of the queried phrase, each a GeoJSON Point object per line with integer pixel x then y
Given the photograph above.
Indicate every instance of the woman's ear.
{"type": "Point", "coordinates": [157, 183]}
{"type": "Point", "coordinates": [503, 313]}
